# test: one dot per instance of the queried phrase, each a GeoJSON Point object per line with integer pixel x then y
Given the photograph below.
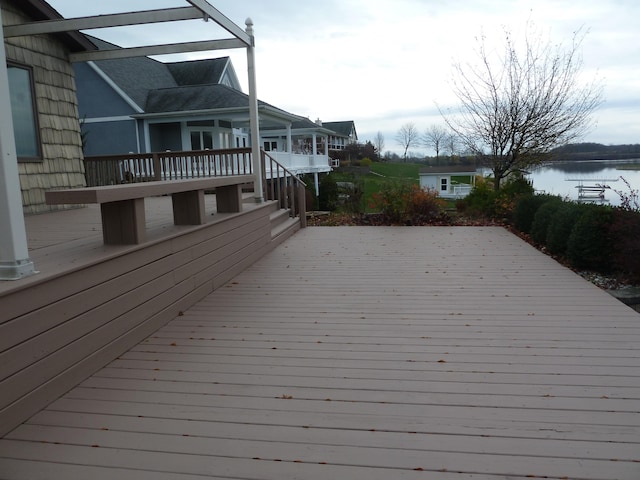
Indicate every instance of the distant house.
{"type": "Point", "coordinates": [344, 134]}
{"type": "Point", "coordinates": [43, 104]}
{"type": "Point", "coordinates": [449, 182]}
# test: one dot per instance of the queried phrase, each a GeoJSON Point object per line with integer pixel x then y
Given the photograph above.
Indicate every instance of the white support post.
{"type": "Point", "coordinates": [14, 254]}
{"type": "Point", "coordinates": [253, 116]}
{"type": "Point", "coordinates": [314, 145]}
{"type": "Point", "coordinates": [289, 140]}
{"type": "Point", "coordinates": [317, 183]}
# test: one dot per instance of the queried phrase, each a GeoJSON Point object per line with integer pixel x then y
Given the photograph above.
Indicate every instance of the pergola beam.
{"type": "Point", "coordinates": [199, 46]}
{"type": "Point", "coordinates": [104, 21]}
{"type": "Point", "coordinates": [199, 9]}
{"type": "Point", "coordinates": [223, 21]}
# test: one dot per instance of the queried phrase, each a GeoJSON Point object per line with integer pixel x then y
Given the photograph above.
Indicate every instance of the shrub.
{"type": "Point", "coordinates": [542, 219]}
{"type": "Point", "coordinates": [589, 245]}
{"type": "Point", "coordinates": [560, 226]}
{"type": "Point", "coordinates": [526, 208]}
{"type": "Point", "coordinates": [407, 203]}
{"type": "Point", "coordinates": [424, 205]}
{"type": "Point", "coordinates": [328, 195]}
{"type": "Point", "coordinates": [481, 201]}
{"type": "Point", "coordinates": [484, 201]}
{"type": "Point", "coordinates": [625, 232]}
{"type": "Point", "coordinates": [365, 162]}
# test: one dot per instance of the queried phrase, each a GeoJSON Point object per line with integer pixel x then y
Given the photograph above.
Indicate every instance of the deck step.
{"type": "Point", "coordinates": [283, 225]}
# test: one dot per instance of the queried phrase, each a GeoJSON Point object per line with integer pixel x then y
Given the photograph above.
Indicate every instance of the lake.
{"type": "Point", "coordinates": [556, 178]}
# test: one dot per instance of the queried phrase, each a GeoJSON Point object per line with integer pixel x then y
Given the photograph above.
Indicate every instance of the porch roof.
{"type": "Point", "coordinates": [450, 169]}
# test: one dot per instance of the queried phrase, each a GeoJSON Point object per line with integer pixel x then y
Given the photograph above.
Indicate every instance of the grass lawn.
{"type": "Point", "coordinates": [383, 173]}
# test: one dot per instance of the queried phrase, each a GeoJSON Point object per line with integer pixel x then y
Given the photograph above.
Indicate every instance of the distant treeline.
{"type": "Point", "coordinates": [595, 151]}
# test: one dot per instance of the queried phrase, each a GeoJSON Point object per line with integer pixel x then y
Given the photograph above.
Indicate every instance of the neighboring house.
{"type": "Point", "coordinates": [344, 133]}
{"type": "Point", "coordinates": [152, 106]}
{"type": "Point", "coordinates": [43, 104]}
{"type": "Point", "coordinates": [449, 182]}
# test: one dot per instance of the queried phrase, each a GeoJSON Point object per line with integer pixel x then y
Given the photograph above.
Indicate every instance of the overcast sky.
{"type": "Point", "coordinates": [384, 63]}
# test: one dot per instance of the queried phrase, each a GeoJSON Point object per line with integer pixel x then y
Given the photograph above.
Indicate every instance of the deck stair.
{"type": "Point", "coordinates": [283, 225]}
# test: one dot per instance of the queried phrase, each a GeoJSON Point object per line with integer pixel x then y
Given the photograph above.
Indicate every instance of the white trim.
{"type": "Point", "coordinates": [109, 119]}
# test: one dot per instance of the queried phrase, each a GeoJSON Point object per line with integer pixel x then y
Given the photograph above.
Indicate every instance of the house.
{"type": "Point", "coordinates": [154, 106]}
{"type": "Point", "coordinates": [344, 133]}
{"type": "Point", "coordinates": [450, 181]}
{"type": "Point", "coordinates": [151, 106]}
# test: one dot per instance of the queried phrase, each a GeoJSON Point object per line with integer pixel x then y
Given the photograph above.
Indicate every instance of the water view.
{"type": "Point", "coordinates": [564, 178]}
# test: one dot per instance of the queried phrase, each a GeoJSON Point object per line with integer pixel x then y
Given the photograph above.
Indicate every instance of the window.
{"type": "Point", "coordinates": [201, 140]}
{"type": "Point", "coordinates": [443, 185]}
{"type": "Point", "coordinates": [23, 112]}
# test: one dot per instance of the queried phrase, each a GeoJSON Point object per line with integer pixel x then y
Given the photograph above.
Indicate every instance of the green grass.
{"type": "Point", "coordinates": [397, 170]}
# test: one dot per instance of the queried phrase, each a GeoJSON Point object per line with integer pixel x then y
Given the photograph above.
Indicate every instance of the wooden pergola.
{"type": "Point", "coordinates": [14, 257]}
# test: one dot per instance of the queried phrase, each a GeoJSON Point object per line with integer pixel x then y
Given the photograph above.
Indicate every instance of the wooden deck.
{"type": "Point", "coordinates": [364, 353]}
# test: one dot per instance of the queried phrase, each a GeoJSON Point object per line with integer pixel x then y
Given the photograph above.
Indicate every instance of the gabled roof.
{"type": "Point", "coordinates": [135, 76]}
{"type": "Point", "coordinates": [139, 76]}
{"type": "Point", "coordinates": [41, 10]}
{"type": "Point", "coordinates": [198, 72]}
{"type": "Point", "coordinates": [447, 170]}
{"type": "Point", "coordinates": [343, 128]}
{"type": "Point", "coordinates": [202, 98]}
{"type": "Point", "coordinates": [195, 97]}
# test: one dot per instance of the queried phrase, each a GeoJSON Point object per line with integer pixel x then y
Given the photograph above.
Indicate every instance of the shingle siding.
{"type": "Point", "coordinates": [57, 108]}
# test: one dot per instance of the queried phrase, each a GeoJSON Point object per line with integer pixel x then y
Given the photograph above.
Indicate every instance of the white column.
{"type": "Point", "coordinates": [317, 183]}
{"type": "Point", "coordinates": [314, 139]}
{"type": "Point", "coordinates": [289, 141]}
{"type": "Point", "coordinates": [14, 254]}
{"type": "Point", "coordinates": [253, 115]}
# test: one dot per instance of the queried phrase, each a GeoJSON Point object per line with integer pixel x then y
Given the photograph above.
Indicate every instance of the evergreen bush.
{"type": "Point", "coordinates": [589, 245]}
{"type": "Point", "coordinates": [328, 195]}
{"type": "Point", "coordinates": [625, 235]}
{"type": "Point", "coordinates": [560, 226]}
{"type": "Point", "coordinates": [526, 208]}
{"type": "Point", "coordinates": [542, 219]}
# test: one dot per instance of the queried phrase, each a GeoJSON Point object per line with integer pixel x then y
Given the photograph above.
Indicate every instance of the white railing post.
{"type": "Point", "coordinates": [253, 115]}
{"type": "Point", "coordinates": [14, 253]}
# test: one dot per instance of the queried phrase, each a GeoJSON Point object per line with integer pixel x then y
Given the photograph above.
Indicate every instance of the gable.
{"type": "Point", "coordinates": [204, 72]}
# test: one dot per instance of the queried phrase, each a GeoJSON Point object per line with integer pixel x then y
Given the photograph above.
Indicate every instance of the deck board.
{"type": "Point", "coordinates": [377, 353]}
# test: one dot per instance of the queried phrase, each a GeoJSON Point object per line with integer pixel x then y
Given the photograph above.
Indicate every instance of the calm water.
{"type": "Point", "coordinates": [556, 178]}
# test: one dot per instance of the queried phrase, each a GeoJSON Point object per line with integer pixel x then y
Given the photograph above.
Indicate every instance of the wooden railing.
{"type": "Point", "coordinates": [282, 185]}
{"type": "Point", "coordinates": [147, 167]}
{"type": "Point", "coordinates": [278, 183]}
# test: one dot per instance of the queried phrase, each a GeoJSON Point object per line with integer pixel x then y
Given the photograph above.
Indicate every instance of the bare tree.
{"type": "Point", "coordinates": [451, 145]}
{"type": "Point", "coordinates": [514, 109]}
{"type": "Point", "coordinates": [407, 137]}
{"type": "Point", "coordinates": [435, 138]}
{"type": "Point", "coordinates": [378, 142]}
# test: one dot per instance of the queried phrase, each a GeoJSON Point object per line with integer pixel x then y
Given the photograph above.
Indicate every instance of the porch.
{"type": "Point", "coordinates": [359, 353]}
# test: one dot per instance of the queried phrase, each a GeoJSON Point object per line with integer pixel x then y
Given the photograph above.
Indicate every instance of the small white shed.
{"type": "Point", "coordinates": [453, 181]}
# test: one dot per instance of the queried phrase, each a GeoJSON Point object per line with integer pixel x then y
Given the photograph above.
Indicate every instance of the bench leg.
{"type": "Point", "coordinates": [123, 222]}
{"type": "Point", "coordinates": [229, 199]}
{"type": "Point", "coordinates": [188, 208]}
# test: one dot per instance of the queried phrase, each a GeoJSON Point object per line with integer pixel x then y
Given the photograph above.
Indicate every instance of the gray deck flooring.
{"type": "Point", "coordinates": [364, 353]}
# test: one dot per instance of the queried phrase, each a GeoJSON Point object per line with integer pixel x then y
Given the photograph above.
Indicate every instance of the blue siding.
{"type": "Point", "coordinates": [96, 98]}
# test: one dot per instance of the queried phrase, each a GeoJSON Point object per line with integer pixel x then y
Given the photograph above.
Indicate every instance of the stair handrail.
{"type": "Point", "coordinates": [285, 187]}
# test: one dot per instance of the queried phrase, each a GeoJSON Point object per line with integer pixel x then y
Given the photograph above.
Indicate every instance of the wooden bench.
{"type": "Point", "coordinates": [122, 206]}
